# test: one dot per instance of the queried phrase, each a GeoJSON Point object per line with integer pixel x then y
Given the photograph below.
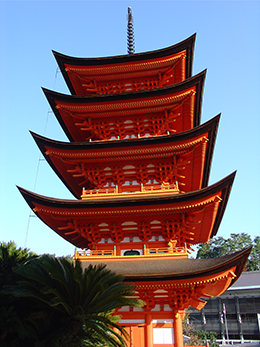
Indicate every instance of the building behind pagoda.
{"type": "Point", "coordinates": [242, 304]}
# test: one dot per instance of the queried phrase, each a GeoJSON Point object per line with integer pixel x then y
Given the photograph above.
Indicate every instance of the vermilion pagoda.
{"type": "Point", "coordinates": [138, 163]}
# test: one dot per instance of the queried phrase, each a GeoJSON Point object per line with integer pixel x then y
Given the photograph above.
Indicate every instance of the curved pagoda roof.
{"type": "Point", "coordinates": [184, 157]}
{"type": "Point", "coordinates": [167, 267]}
{"type": "Point", "coordinates": [189, 218]}
{"type": "Point", "coordinates": [154, 112]}
{"type": "Point", "coordinates": [128, 72]}
{"type": "Point", "coordinates": [179, 282]}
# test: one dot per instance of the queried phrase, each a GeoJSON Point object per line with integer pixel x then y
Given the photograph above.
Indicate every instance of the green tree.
{"type": "Point", "coordinates": [62, 305]}
{"type": "Point", "coordinates": [253, 263]}
{"type": "Point", "coordinates": [220, 246]}
{"type": "Point", "coordinates": [208, 337]}
{"type": "Point", "coordinates": [189, 330]}
{"type": "Point", "coordinates": [197, 337]}
{"type": "Point", "coordinates": [11, 258]}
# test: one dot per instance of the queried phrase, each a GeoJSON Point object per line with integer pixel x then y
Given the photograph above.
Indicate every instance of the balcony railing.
{"type": "Point", "coordinates": [131, 189]}
{"type": "Point", "coordinates": [163, 250]}
{"type": "Point", "coordinates": [146, 252]}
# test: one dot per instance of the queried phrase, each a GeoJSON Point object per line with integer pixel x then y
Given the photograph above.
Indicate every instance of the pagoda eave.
{"type": "Point", "coordinates": [197, 213]}
{"type": "Point", "coordinates": [204, 193]}
{"type": "Point", "coordinates": [171, 268]}
{"type": "Point", "coordinates": [196, 80]}
{"type": "Point", "coordinates": [179, 282]}
{"type": "Point", "coordinates": [187, 45]}
{"type": "Point", "coordinates": [63, 157]}
{"type": "Point", "coordinates": [71, 110]}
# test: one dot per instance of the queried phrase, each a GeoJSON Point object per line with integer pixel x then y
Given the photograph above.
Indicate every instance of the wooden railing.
{"type": "Point", "coordinates": [100, 191]}
{"type": "Point", "coordinates": [95, 253]}
{"type": "Point", "coordinates": [168, 250]}
{"type": "Point", "coordinates": [131, 189]}
{"type": "Point", "coordinates": [146, 251]}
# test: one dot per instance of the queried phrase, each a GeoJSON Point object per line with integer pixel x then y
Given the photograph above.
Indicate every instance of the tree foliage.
{"type": "Point", "coordinates": [197, 337]}
{"type": "Point", "coordinates": [188, 330]}
{"type": "Point", "coordinates": [220, 246]}
{"type": "Point", "coordinates": [208, 337]}
{"type": "Point", "coordinates": [10, 258]}
{"type": "Point", "coordinates": [53, 302]}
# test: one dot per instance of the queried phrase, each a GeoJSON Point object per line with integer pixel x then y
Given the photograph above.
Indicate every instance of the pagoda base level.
{"type": "Point", "coordinates": [137, 334]}
{"type": "Point", "coordinates": [152, 334]}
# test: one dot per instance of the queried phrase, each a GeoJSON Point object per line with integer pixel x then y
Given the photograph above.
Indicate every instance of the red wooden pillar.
{"type": "Point", "coordinates": [148, 330]}
{"type": "Point", "coordinates": [118, 249]}
{"type": "Point", "coordinates": [177, 327]}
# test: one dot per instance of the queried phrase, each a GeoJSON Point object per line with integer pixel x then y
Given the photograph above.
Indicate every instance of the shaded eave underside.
{"type": "Point", "coordinates": [171, 140]}
{"type": "Point", "coordinates": [197, 81]}
{"type": "Point", "coordinates": [187, 44]}
{"type": "Point", "coordinates": [175, 269]}
{"type": "Point", "coordinates": [129, 202]}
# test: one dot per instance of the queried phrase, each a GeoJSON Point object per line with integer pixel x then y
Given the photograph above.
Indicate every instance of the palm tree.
{"type": "Point", "coordinates": [62, 305]}
{"type": "Point", "coordinates": [11, 258]}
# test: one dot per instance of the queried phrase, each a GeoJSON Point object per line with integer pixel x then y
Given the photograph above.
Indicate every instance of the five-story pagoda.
{"type": "Point", "coordinates": [138, 164]}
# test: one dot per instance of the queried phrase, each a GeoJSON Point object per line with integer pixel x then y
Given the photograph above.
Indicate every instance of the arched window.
{"type": "Point", "coordinates": [131, 252]}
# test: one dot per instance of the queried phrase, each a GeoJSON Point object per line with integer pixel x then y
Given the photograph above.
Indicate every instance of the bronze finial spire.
{"type": "Point", "coordinates": [130, 32]}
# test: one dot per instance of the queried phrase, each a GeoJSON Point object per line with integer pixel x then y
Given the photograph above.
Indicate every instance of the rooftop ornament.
{"type": "Point", "coordinates": [130, 32]}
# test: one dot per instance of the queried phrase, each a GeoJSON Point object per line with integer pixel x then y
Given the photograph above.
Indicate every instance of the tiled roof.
{"type": "Point", "coordinates": [172, 268]}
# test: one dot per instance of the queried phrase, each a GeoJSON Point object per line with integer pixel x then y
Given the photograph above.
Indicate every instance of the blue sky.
{"type": "Point", "coordinates": [227, 45]}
